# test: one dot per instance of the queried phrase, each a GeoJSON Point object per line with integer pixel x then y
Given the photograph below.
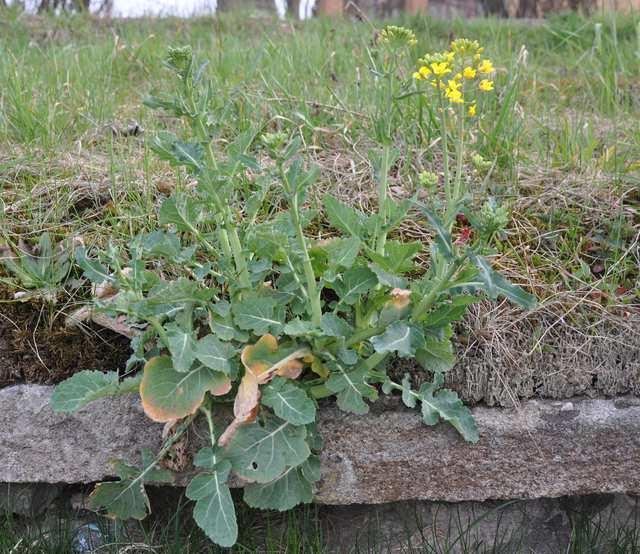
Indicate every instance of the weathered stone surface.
{"type": "Point", "coordinates": [542, 449]}
{"type": "Point", "coordinates": [37, 445]}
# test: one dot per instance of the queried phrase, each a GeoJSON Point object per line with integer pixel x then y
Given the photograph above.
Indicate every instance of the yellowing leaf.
{"type": "Point", "coordinates": [168, 394]}
{"type": "Point", "coordinates": [262, 361]}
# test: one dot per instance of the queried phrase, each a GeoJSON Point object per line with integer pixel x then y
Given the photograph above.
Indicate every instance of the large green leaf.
{"type": "Point", "coordinates": [287, 491]}
{"type": "Point", "coordinates": [214, 511]}
{"type": "Point", "coordinates": [182, 345]}
{"type": "Point", "coordinates": [168, 394]}
{"type": "Point", "coordinates": [447, 405]}
{"type": "Point", "coordinates": [87, 386]}
{"type": "Point", "coordinates": [289, 402]}
{"type": "Point", "coordinates": [436, 355]}
{"type": "Point", "coordinates": [399, 256]}
{"type": "Point", "coordinates": [127, 498]}
{"type": "Point", "coordinates": [215, 354]}
{"type": "Point", "coordinates": [261, 315]}
{"type": "Point", "coordinates": [344, 217]}
{"type": "Point", "coordinates": [261, 453]}
{"type": "Point", "coordinates": [334, 326]}
{"type": "Point", "coordinates": [495, 284]}
{"type": "Point", "coordinates": [342, 253]}
{"type": "Point", "coordinates": [354, 283]}
{"type": "Point", "coordinates": [387, 278]}
{"type": "Point", "coordinates": [179, 210]}
{"type": "Point", "coordinates": [351, 388]}
{"type": "Point", "coordinates": [124, 499]}
{"type": "Point", "coordinates": [399, 337]}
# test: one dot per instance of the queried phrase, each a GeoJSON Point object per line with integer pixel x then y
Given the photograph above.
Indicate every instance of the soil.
{"type": "Point", "coordinates": [35, 348]}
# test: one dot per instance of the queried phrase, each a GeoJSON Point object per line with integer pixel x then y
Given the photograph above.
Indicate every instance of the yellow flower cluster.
{"type": "Point", "coordinates": [465, 62]}
{"type": "Point", "coordinates": [395, 36]}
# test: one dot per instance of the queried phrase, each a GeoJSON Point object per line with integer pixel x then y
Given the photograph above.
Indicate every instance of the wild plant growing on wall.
{"type": "Point", "coordinates": [234, 303]}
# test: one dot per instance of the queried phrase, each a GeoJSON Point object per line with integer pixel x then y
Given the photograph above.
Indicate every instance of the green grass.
{"type": "Point", "coordinates": [307, 530]}
{"type": "Point", "coordinates": [562, 129]}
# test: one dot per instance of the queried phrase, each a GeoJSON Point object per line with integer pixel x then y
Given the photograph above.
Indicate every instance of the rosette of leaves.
{"type": "Point", "coordinates": [234, 302]}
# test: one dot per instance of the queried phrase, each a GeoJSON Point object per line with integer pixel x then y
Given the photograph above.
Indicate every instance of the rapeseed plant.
{"type": "Point", "coordinates": [457, 78]}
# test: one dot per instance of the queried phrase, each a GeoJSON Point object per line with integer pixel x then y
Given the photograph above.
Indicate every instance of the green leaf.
{"type": "Point", "coordinates": [214, 511]}
{"type": "Point", "coordinates": [124, 499]}
{"type": "Point", "coordinates": [207, 457]}
{"type": "Point", "coordinates": [495, 284]}
{"type": "Point", "coordinates": [388, 279]}
{"type": "Point", "coordinates": [334, 326]}
{"type": "Point", "coordinates": [445, 404]}
{"type": "Point", "coordinates": [215, 354]}
{"type": "Point", "coordinates": [436, 355]}
{"type": "Point", "coordinates": [398, 257]}
{"type": "Point", "coordinates": [93, 269]}
{"type": "Point", "coordinates": [354, 283]}
{"type": "Point", "coordinates": [182, 346]}
{"type": "Point", "coordinates": [344, 217]}
{"type": "Point", "coordinates": [399, 337]}
{"type": "Point", "coordinates": [261, 453]}
{"type": "Point", "coordinates": [87, 386]}
{"type": "Point", "coordinates": [449, 312]}
{"type": "Point", "coordinates": [179, 210]}
{"type": "Point", "coordinates": [408, 396]}
{"type": "Point", "coordinates": [342, 253]}
{"type": "Point", "coordinates": [351, 388]}
{"type": "Point", "coordinates": [127, 498]}
{"type": "Point", "coordinates": [261, 315]}
{"type": "Point", "coordinates": [168, 394]}
{"type": "Point", "coordinates": [443, 237]}
{"type": "Point", "coordinates": [224, 329]}
{"type": "Point", "coordinates": [287, 491]}
{"type": "Point", "coordinates": [299, 328]}
{"type": "Point", "coordinates": [289, 402]}
{"type": "Point", "coordinates": [178, 153]}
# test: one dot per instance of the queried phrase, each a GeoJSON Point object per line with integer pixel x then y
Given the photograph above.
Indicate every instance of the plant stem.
{"type": "Point", "coordinates": [312, 286]}
{"type": "Point", "coordinates": [229, 239]}
{"type": "Point", "coordinates": [445, 144]}
{"type": "Point", "coordinates": [309, 274]}
{"type": "Point", "coordinates": [238, 256]}
{"type": "Point", "coordinates": [457, 188]}
{"type": "Point", "coordinates": [155, 323]}
{"type": "Point", "coordinates": [383, 185]}
{"type": "Point", "coordinates": [364, 334]}
{"type": "Point", "coordinates": [442, 283]}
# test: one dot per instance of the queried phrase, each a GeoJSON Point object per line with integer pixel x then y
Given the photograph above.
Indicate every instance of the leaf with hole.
{"type": "Point", "coordinates": [261, 453]}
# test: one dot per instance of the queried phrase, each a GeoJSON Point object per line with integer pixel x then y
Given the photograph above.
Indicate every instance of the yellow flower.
{"type": "Point", "coordinates": [453, 93]}
{"type": "Point", "coordinates": [449, 56]}
{"type": "Point", "coordinates": [458, 77]}
{"type": "Point", "coordinates": [453, 84]}
{"type": "Point", "coordinates": [472, 110]}
{"type": "Point", "coordinates": [424, 71]}
{"type": "Point", "coordinates": [469, 72]}
{"type": "Point", "coordinates": [486, 67]}
{"type": "Point", "coordinates": [486, 85]}
{"type": "Point", "coordinates": [417, 76]}
{"type": "Point", "coordinates": [440, 69]}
